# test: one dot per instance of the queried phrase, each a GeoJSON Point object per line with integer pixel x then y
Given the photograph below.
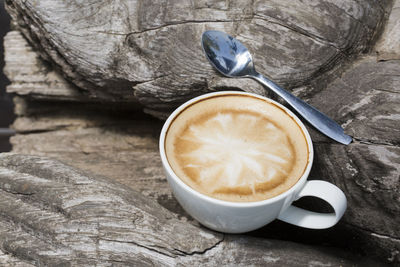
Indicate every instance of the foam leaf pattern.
{"type": "Point", "coordinates": [220, 154]}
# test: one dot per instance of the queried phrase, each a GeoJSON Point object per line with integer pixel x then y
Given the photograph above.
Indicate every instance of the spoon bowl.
{"type": "Point", "coordinates": [231, 58]}
{"type": "Point", "coordinates": [227, 54]}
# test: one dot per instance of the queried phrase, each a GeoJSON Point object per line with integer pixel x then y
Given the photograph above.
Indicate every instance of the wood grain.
{"type": "Point", "coordinates": [79, 102]}
{"type": "Point", "coordinates": [150, 51]}
{"type": "Point", "coordinates": [53, 214]}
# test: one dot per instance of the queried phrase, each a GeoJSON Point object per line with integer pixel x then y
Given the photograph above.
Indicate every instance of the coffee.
{"type": "Point", "coordinates": [236, 148]}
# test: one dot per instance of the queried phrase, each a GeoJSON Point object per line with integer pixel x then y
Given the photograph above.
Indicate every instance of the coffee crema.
{"type": "Point", "coordinates": [236, 148]}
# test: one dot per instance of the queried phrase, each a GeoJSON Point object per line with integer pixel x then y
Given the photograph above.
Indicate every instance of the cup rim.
{"type": "Point", "coordinates": [168, 168]}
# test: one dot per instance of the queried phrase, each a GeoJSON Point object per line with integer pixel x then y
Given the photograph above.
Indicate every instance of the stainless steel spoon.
{"type": "Point", "coordinates": [232, 59]}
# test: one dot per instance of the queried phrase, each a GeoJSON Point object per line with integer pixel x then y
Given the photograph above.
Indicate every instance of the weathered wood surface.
{"type": "Point", "coordinates": [150, 51]}
{"type": "Point", "coordinates": [369, 169]}
{"type": "Point", "coordinates": [388, 46]}
{"type": "Point", "coordinates": [126, 149]}
{"type": "Point", "coordinates": [7, 259]}
{"type": "Point", "coordinates": [53, 214]}
{"type": "Point", "coordinates": [61, 120]}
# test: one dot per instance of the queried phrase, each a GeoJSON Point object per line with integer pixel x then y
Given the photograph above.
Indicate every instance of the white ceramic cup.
{"type": "Point", "coordinates": [239, 217]}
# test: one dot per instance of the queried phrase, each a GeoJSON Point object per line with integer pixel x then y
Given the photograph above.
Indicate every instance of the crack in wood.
{"type": "Point", "coordinates": [178, 23]}
{"type": "Point", "coordinates": [299, 30]}
{"type": "Point", "coordinates": [205, 250]}
{"type": "Point", "coordinates": [366, 141]}
{"type": "Point", "coordinates": [152, 248]}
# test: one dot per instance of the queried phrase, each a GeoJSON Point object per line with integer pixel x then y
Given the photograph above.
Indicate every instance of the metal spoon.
{"type": "Point", "coordinates": [232, 59]}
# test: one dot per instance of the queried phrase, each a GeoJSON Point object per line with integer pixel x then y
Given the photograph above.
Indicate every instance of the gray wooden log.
{"type": "Point", "coordinates": [53, 214]}
{"type": "Point", "coordinates": [124, 146]}
{"type": "Point", "coordinates": [150, 51]}
{"type": "Point", "coordinates": [369, 169]}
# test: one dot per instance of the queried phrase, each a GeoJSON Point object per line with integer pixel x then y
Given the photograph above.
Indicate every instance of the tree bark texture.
{"type": "Point", "coordinates": [150, 51]}
{"type": "Point", "coordinates": [63, 217]}
{"type": "Point", "coordinates": [79, 102]}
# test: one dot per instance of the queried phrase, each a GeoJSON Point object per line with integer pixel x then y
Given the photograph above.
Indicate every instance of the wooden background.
{"type": "Point", "coordinates": [82, 81]}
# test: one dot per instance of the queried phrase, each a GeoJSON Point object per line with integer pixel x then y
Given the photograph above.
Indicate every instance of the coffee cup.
{"type": "Point", "coordinates": [237, 161]}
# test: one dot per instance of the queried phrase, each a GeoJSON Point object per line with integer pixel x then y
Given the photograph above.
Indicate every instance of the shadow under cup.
{"type": "Point", "coordinates": [243, 216]}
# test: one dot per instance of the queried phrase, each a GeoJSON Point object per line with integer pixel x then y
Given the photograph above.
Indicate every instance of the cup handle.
{"type": "Point", "coordinates": [309, 219]}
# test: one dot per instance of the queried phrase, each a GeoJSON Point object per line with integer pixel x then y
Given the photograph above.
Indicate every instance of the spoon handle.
{"type": "Point", "coordinates": [316, 118]}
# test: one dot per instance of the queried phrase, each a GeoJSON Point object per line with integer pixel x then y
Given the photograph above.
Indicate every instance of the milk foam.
{"type": "Point", "coordinates": [233, 152]}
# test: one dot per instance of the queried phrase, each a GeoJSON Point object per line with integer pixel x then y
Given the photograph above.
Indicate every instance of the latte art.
{"type": "Point", "coordinates": [236, 150]}
{"type": "Point", "coordinates": [228, 157]}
